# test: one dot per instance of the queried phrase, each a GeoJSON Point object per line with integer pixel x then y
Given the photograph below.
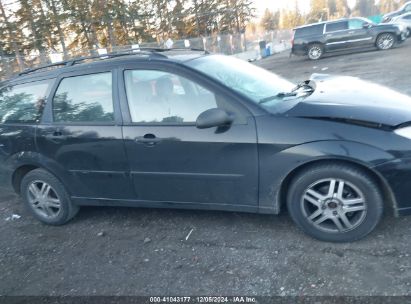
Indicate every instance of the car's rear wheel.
{"type": "Point", "coordinates": [315, 51]}
{"type": "Point", "coordinates": [335, 203]}
{"type": "Point", "coordinates": [385, 41]}
{"type": "Point", "coordinates": [46, 198]}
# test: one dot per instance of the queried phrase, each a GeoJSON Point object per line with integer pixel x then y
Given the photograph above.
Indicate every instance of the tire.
{"type": "Point", "coordinates": [315, 51]}
{"type": "Point", "coordinates": [335, 218]}
{"type": "Point", "coordinates": [46, 198]}
{"type": "Point", "coordinates": [385, 41]}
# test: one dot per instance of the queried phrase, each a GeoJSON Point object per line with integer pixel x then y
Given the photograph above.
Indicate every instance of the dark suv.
{"type": "Point", "coordinates": [314, 40]}
{"type": "Point", "coordinates": [184, 129]}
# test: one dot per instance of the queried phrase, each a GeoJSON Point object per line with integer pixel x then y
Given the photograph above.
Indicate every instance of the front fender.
{"type": "Point", "coordinates": [276, 166]}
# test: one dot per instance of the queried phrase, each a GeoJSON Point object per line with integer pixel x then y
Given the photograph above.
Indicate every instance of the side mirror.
{"type": "Point", "coordinates": [213, 118]}
{"type": "Point", "coordinates": [366, 25]}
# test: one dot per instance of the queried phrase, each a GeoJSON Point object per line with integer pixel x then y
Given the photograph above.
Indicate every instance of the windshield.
{"type": "Point", "coordinates": [254, 82]}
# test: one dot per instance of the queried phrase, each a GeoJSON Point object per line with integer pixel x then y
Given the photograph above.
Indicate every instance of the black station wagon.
{"type": "Point", "coordinates": [185, 129]}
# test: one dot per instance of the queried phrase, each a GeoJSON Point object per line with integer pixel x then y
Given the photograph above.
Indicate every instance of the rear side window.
{"type": "Point", "coordinates": [85, 98]}
{"type": "Point", "coordinates": [309, 31]}
{"type": "Point", "coordinates": [23, 103]}
{"type": "Point", "coordinates": [337, 26]}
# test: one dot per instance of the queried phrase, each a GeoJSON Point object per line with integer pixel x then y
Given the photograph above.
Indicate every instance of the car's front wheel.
{"type": "Point", "coordinates": [335, 203]}
{"type": "Point", "coordinates": [46, 198]}
{"type": "Point", "coordinates": [385, 41]}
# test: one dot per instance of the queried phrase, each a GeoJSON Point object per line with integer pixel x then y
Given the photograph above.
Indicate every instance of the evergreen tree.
{"type": "Point", "coordinates": [387, 6]}
{"type": "Point", "coordinates": [57, 19]}
{"type": "Point", "coordinates": [179, 20]}
{"type": "Point", "coordinates": [11, 36]}
{"type": "Point", "coordinates": [365, 8]}
{"type": "Point", "coordinates": [74, 27]}
{"type": "Point", "coordinates": [270, 21]}
{"type": "Point", "coordinates": [342, 9]}
{"type": "Point", "coordinates": [318, 11]}
{"type": "Point", "coordinates": [236, 14]}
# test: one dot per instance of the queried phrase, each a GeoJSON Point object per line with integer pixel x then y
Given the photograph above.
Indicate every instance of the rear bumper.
{"type": "Point", "coordinates": [298, 51]}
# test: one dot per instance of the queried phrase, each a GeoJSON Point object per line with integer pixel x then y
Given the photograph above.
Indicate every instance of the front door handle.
{"type": "Point", "coordinates": [148, 139]}
{"type": "Point", "coordinates": [56, 136]}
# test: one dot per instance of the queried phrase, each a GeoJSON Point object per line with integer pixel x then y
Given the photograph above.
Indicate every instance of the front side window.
{"type": "Point", "coordinates": [23, 103]}
{"type": "Point", "coordinates": [355, 24]}
{"type": "Point", "coordinates": [336, 26]}
{"type": "Point", "coordinates": [85, 98]}
{"type": "Point", "coordinates": [161, 97]}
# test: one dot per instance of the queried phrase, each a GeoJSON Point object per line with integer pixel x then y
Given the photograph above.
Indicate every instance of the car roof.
{"type": "Point", "coordinates": [111, 59]}
{"type": "Point", "coordinates": [322, 23]}
{"type": "Point", "coordinates": [328, 21]}
{"type": "Point", "coordinates": [311, 24]}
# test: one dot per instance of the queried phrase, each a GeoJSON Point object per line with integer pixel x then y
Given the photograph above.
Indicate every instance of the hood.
{"type": "Point", "coordinates": [387, 26]}
{"type": "Point", "coordinates": [353, 100]}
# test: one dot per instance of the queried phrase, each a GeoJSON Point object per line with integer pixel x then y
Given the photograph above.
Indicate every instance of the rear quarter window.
{"type": "Point", "coordinates": [23, 103]}
{"type": "Point", "coordinates": [309, 31]}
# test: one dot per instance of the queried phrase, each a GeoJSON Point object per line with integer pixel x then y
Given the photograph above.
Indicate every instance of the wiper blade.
{"type": "Point", "coordinates": [308, 86]}
{"type": "Point", "coordinates": [279, 95]}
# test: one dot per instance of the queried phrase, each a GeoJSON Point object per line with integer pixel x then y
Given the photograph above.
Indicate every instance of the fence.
{"type": "Point", "coordinates": [236, 44]}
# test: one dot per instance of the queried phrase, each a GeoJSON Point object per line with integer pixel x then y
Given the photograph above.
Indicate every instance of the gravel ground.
{"type": "Point", "coordinates": [123, 251]}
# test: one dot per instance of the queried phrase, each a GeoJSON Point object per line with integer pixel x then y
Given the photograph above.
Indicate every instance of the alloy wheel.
{"type": "Point", "coordinates": [315, 52]}
{"type": "Point", "coordinates": [386, 41]}
{"type": "Point", "coordinates": [44, 200]}
{"type": "Point", "coordinates": [333, 205]}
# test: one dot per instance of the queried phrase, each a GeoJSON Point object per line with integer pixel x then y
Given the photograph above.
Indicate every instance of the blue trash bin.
{"type": "Point", "coordinates": [263, 46]}
{"type": "Point", "coordinates": [268, 51]}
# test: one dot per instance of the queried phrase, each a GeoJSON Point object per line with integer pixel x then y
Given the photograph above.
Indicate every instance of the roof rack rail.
{"type": "Point", "coordinates": [28, 71]}
{"type": "Point", "coordinates": [71, 62]}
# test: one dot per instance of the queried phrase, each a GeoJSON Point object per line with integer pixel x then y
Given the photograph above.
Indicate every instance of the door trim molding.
{"type": "Point", "coordinates": [348, 41]}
